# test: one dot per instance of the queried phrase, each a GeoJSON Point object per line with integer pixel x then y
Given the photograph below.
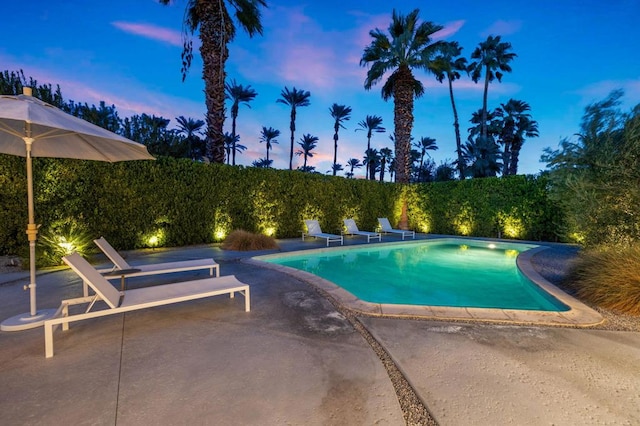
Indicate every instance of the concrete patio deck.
{"type": "Point", "coordinates": [295, 359]}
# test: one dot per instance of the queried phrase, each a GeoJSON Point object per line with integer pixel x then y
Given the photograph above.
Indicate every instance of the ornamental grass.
{"type": "Point", "coordinates": [609, 278]}
{"type": "Point", "coordinates": [240, 240]}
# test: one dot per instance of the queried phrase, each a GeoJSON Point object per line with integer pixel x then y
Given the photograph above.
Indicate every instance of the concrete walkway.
{"type": "Point", "coordinates": [295, 360]}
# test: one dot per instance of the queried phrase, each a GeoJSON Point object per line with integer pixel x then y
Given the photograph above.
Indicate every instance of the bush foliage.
{"type": "Point", "coordinates": [176, 202]}
{"type": "Point", "coordinates": [595, 179]}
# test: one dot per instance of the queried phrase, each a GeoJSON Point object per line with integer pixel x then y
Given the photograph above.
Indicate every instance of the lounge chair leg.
{"type": "Point", "coordinates": [247, 300]}
{"type": "Point", "coordinates": [48, 340]}
{"type": "Point", "coordinates": [65, 313]}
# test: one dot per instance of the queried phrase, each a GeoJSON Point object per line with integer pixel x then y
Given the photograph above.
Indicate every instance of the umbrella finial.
{"type": "Point", "coordinates": [27, 91]}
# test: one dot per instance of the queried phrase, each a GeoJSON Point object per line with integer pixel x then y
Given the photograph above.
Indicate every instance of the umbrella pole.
{"type": "Point", "coordinates": [34, 318]}
{"type": "Point", "coordinates": [32, 229]}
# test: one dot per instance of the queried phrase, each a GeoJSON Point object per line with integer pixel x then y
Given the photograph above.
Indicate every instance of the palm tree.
{"type": "Point", "coordinates": [268, 136]}
{"type": "Point", "coordinates": [294, 98]}
{"type": "Point", "coordinates": [415, 171]}
{"type": "Point", "coordinates": [353, 163]}
{"type": "Point", "coordinates": [424, 145]}
{"type": "Point", "coordinates": [216, 30]}
{"type": "Point", "coordinates": [238, 94]}
{"type": "Point", "coordinates": [307, 144]}
{"type": "Point", "coordinates": [372, 123]}
{"type": "Point", "coordinates": [392, 169]}
{"type": "Point", "coordinates": [482, 157]}
{"type": "Point", "coordinates": [339, 113]}
{"type": "Point", "coordinates": [493, 124]}
{"type": "Point", "coordinates": [449, 64]}
{"type": "Point", "coordinates": [492, 58]}
{"type": "Point", "coordinates": [516, 125]}
{"type": "Point", "coordinates": [410, 47]}
{"type": "Point", "coordinates": [372, 161]}
{"type": "Point", "coordinates": [231, 145]}
{"type": "Point", "coordinates": [190, 128]}
{"type": "Point", "coordinates": [386, 156]}
{"type": "Point", "coordinates": [445, 172]}
{"type": "Point", "coordinates": [262, 163]}
{"type": "Point", "coordinates": [335, 167]}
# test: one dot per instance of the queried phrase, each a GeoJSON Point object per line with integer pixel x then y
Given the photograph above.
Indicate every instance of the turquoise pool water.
{"type": "Point", "coordinates": [450, 273]}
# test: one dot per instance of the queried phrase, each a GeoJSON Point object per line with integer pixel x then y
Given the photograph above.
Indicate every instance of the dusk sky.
{"type": "Point", "coordinates": [127, 53]}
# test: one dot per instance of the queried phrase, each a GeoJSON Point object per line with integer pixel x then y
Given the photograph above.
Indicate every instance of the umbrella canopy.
{"type": "Point", "coordinates": [32, 128]}
{"type": "Point", "coordinates": [58, 134]}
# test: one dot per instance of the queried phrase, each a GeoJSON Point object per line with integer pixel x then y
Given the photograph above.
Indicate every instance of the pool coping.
{"type": "Point", "coordinates": [578, 315]}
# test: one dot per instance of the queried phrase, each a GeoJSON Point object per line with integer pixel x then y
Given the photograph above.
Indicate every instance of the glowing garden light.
{"type": "Point", "coordinates": [68, 246]}
{"type": "Point", "coordinates": [219, 234]}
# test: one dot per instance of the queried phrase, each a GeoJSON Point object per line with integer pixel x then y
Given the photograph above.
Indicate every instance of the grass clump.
{"type": "Point", "coordinates": [240, 240]}
{"type": "Point", "coordinates": [609, 278]}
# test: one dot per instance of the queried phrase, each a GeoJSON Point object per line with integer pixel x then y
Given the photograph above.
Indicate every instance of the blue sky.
{"type": "Point", "coordinates": [127, 53]}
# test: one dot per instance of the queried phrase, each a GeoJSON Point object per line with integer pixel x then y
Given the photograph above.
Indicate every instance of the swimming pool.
{"type": "Point", "coordinates": [450, 272]}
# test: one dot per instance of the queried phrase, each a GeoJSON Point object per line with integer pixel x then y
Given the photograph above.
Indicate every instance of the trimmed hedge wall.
{"type": "Point", "coordinates": [181, 202]}
{"type": "Point", "coordinates": [516, 207]}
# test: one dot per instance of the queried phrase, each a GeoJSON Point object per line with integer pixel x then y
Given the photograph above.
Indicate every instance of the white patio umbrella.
{"type": "Point", "coordinates": [32, 128]}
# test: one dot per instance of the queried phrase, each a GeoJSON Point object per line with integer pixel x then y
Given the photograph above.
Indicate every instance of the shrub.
{"type": "Point", "coordinates": [62, 240]}
{"type": "Point", "coordinates": [609, 278]}
{"type": "Point", "coordinates": [594, 176]}
{"type": "Point", "coordinates": [240, 240]}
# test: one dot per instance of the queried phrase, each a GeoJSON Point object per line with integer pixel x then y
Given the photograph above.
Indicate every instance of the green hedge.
{"type": "Point", "coordinates": [182, 202]}
{"type": "Point", "coordinates": [516, 207]}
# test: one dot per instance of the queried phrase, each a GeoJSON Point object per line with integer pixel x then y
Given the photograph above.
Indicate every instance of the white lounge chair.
{"type": "Point", "coordinates": [387, 229]}
{"type": "Point", "coordinates": [314, 230]}
{"type": "Point", "coordinates": [131, 300]}
{"type": "Point", "coordinates": [122, 269]}
{"type": "Point", "coordinates": [352, 229]}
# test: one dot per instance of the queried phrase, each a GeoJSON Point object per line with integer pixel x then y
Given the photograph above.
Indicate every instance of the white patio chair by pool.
{"type": "Point", "coordinates": [387, 229]}
{"type": "Point", "coordinates": [352, 229]}
{"type": "Point", "coordinates": [131, 300]}
{"type": "Point", "coordinates": [122, 269]}
{"type": "Point", "coordinates": [314, 230]}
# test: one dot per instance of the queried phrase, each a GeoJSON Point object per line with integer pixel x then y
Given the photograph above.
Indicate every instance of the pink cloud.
{"type": "Point", "coordinates": [449, 29]}
{"type": "Point", "coordinates": [369, 23]}
{"type": "Point", "coordinates": [503, 28]}
{"type": "Point", "coordinates": [150, 31]}
{"type": "Point", "coordinates": [299, 51]}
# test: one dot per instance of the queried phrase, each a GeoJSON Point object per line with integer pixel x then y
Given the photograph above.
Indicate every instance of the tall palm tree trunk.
{"type": "Point", "coordinates": [214, 56]}
{"type": "Point", "coordinates": [369, 140]}
{"type": "Point", "coordinates": [483, 126]}
{"type": "Point", "coordinates": [335, 149]}
{"type": "Point", "coordinates": [403, 122]}
{"type": "Point", "coordinates": [233, 133]}
{"type": "Point", "coordinates": [292, 127]}
{"type": "Point", "coordinates": [456, 126]}
{"type": "Point", "coordinates": [515, 153]}
{"type": "Point", "coordinates": [506, 157]}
